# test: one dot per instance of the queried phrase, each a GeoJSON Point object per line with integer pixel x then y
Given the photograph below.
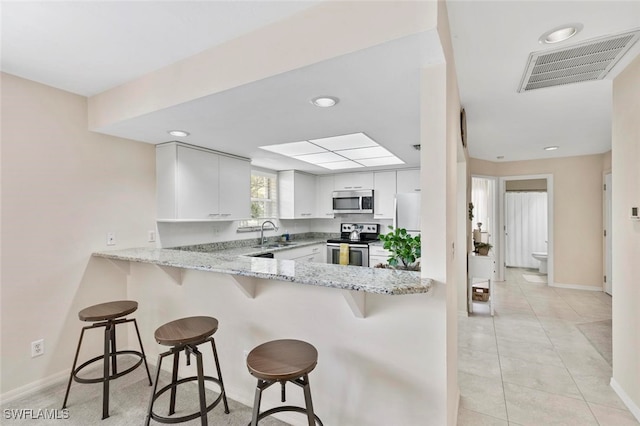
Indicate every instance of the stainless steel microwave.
{"type": "Point", "coordinates": [360, 201]}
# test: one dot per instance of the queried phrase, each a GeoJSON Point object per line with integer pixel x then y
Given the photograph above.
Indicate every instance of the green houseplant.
{"type": "Point", "coordinates": [404, 248]}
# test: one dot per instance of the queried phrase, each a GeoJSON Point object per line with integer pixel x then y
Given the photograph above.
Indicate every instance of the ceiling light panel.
{"type": "Point", "coordinates": [382, 161]}
{"type": "Point", "coordinates": [339, 165]}
{"type": "Point", "coordinates": [352, 141]}
{"type": "Point", "coordinates": [372, 152]}
{"type": "Point", "coordinates": [323, 157]}
{"type": "Point", "coordinates": [295, 148]}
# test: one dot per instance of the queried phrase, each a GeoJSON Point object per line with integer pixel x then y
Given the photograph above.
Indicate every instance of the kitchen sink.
{"type": "Point", "coordinates": [275, 245]}
{"type": "Point", "coordinates": [267, 255]}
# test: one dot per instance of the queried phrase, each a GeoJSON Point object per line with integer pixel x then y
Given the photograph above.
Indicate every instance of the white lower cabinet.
{"type": "Point", "coordinates": [313, 253]}
{"type": "Point", "coordinates": [377, 255]}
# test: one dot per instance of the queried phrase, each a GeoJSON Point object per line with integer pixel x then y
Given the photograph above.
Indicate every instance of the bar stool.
{"type": "Point", "coordinates": [283, 361]}
{"type": "Point", "coordinates": [107, 315]}
{"type": "Point", "coordinates": [186, 334]}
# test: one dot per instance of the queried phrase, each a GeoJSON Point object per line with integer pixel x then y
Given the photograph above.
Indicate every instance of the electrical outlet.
{"type": "Point", "coordinates": [37, 348]}
{"type": "Point", "coordinates": [111, 238]}
{"type": "Point", "coordinates": [152, 236]}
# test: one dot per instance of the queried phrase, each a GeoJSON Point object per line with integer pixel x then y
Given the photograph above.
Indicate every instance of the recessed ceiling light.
{"type": "Point", "coordinates": [178, 133]}
{"type": "Point", "coordinates": [558, 34]}
{"type": "Point", "coordinates": [325, 101]}
{"type": "Point", "coordinates": [551, 148]}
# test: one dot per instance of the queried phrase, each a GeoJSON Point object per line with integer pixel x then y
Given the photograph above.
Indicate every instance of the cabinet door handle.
{"type": "Point", "coordinates": [357, 187]}
{"type": "Point", "coordinates": [214, 214]}
{"type": "Point", "coordinates": [417, 189]}
{"type": "Point", "coordinates": [379, 214]}
{"type": "Point", "coordinates": [225, 214]}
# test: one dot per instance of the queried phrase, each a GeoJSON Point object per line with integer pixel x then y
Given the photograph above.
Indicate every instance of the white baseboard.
{"type": "Point", "coordinates": [635, 410]}
{"type": "Point", "coordinates": [34, 386]}
{"type": "Point", "coordinates": [576, 286]}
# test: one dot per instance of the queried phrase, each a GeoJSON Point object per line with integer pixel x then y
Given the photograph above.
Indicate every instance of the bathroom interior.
{"type": "Point", "coordinates": [525, 218]}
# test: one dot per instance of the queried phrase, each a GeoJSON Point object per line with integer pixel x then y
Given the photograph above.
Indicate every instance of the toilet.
{"type": "Point", "coordinates": [542, 257]}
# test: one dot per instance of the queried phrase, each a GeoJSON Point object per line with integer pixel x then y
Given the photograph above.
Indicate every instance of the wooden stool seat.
{"type": "Point", "coordinates": [107, 315]}
{"type": "Point", "coordinates": [283, 361]}
{"type": "Point", "coordinates": [185, 335]}
{"type": "Point", "coordinates": [108, 311]}
{"type": "Point", "coordinates": [186, 330]}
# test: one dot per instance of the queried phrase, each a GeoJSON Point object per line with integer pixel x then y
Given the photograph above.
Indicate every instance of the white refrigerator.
{"type": "Point", "coordinates": [408, 211]}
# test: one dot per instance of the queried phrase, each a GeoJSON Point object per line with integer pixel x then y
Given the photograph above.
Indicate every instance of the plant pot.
{"type": "Point", "coordinates": [483, 251]}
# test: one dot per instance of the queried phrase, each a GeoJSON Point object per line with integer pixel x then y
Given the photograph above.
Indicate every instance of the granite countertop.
{"type": "Point", "coordinates": [238, 261]}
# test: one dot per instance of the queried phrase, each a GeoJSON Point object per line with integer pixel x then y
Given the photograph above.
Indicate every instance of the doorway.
{"type": "Point", "coordinates": [528, 184]}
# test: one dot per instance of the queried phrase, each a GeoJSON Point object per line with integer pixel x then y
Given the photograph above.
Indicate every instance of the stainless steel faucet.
{"type": "Point", "coordinates": [262, 238]}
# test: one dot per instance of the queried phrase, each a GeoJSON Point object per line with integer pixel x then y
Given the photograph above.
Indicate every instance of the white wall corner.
{"type": "Point", "coordinates": [632, 406]}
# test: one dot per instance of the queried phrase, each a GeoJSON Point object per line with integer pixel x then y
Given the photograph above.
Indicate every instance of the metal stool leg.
{"type": "Point", "coordinates": [256, 403]}
{"type": "Point", "coordinates": [224, 393]}
{"type": "Point", "coordinates": [73, 368]}
{"type": "Point", "coordinates": [144, 356]}
{"type": "Point", "coordinates": [174, 385]}
{"type": "Point", "coordinates": [203, 400]}
{"type": "Point", "coordinates": [105, 376]}
{"type": "Point", "coordinates": [114, 362]}
{"type": "Point", "coordinates": [307, 400]}
{"type": "Point", "coordinates": [153, 391]}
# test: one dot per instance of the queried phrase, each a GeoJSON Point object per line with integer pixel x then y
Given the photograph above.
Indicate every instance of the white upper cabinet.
{"type": "Point", "coordinates": [408, 181]}
{"type": "Point", "coordinates": [198, 184]}
{"type": "Point", "coordinates": [235, 188]}
{"type": "Point", "coordinates": [384, 192]}
{"type": "Point", "coordinates": [349, 181]}
{"type": "Point", "coordinates": [296, 195]}
{"type": "Point", "coordinates": [324, 196]}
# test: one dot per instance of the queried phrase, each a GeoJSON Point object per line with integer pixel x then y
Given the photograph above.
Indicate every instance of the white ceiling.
{"type": "Point", "coordinates": [88, 47]}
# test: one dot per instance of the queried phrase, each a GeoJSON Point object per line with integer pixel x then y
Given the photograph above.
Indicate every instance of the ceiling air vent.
{"type": "Point", "coordinates": [590, 60]}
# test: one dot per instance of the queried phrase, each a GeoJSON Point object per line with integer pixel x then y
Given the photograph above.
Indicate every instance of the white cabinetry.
{"type": "Point", "coordinates": [324, 196]}
{"type": "Point", "coordinates": [198, 184]}
{"type": "Point", "coordinates": [377, 254]}
{"type": "Point", "coordinates": [313, 253]}
{"type": "Point", "coordinates": [408, 181]}
{"type": "Point", "coordinates": [347, 181]}
{"type": "Point", "coordinates": [384, 191]}
{"type": "Point", "coordinates": [296, 195]}
{"type": "Point", "coordinates": [481, 273]}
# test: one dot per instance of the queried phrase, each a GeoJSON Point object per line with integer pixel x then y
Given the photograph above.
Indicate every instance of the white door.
{"type": "Point", "coordinates": [608, 280]}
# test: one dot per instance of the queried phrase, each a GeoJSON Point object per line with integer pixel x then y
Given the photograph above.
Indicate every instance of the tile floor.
{"type": "Point", "coordinates": [542, 359]}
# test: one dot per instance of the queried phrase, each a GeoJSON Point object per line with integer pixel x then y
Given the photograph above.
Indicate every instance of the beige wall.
{"type": "Point", "coordinates": [63, 189]}
{"type": "Point", "coordinates": [626, 236]}
{"type": "Point", "coordinates": [578, 220]}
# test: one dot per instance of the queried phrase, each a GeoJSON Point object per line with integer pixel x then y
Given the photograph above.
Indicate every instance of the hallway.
{"type": "Point", "coordinates": [543, 359]}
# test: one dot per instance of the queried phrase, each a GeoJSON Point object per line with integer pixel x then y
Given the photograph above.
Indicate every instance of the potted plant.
{"type": "Point", "coordinates": [483, 248]}
{"type": "Point", "coordinates": [404, 248]}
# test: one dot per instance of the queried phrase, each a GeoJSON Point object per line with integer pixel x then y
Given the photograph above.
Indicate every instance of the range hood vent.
{"type": "Point", "coordinates": [590, 60]}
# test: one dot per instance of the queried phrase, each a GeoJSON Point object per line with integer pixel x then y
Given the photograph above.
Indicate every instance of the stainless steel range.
{"type": "Point", "coordinates": [356, 238]}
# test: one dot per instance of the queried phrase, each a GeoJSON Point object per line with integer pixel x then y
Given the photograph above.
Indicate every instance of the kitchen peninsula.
{"type": "Point", "coordinates": [373, 352]}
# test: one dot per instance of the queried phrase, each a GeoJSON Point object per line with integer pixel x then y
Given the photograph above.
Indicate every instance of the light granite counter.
{"type": "Point", "coordinates": [237, 262]}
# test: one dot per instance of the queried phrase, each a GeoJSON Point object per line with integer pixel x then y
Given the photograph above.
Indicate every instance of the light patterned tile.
{"type": "Point", "coordinates": [473, 418]}
{"type": "Point", "coordinates": [533, 407]}
{"type": "Point", "coordinates": [529, 351]}
{"type": "Point", "coordinates": [608, 416]}
{"type": "Point", "coordinates": [482, 394]}
{"type": "Point", "coordinates": [544, 377]}
{"type": "Point", "coordinates": [482, 364]}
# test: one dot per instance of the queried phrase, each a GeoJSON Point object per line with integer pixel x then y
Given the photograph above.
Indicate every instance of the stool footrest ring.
{"type": "Point", "coordinates": [112, 376]}
{"type": "Point", "coordinates": [286, 408]}
{"type": "Point", "coordinates": [195, 415]}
